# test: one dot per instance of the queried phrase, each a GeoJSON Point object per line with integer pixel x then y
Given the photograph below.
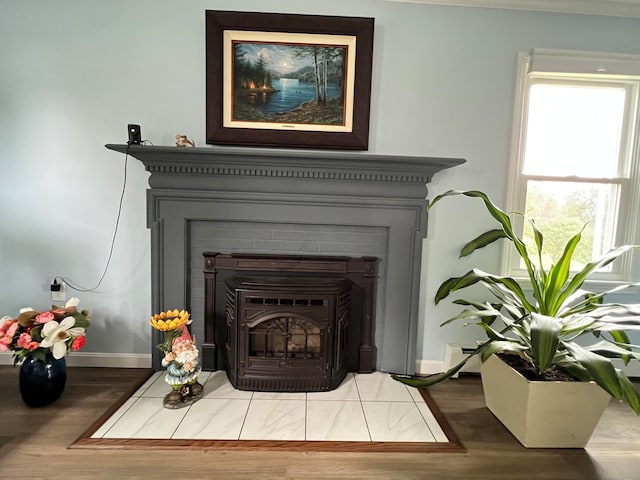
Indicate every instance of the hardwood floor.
{"type": "Point", "coordinates": [33, 444]}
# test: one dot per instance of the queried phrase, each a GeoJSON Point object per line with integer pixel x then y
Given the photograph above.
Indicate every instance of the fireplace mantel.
{"type": "Point", "coordinates": [230, 161]}
{"type": "Point", "coordinates": [294, 202]}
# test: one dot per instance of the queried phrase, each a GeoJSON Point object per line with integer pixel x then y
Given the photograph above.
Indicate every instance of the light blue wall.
{"type": "Point", "coordinates": [73, 74]}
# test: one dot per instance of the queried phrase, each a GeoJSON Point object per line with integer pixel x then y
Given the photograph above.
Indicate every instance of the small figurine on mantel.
{"type": "Point", "coordinates": [183, 141]}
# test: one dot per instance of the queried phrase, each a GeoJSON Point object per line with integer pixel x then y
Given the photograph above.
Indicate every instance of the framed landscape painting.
{"type": "Point", "coordinates": [288, 80]}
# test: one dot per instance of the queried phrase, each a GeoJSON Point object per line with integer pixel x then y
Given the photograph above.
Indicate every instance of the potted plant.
{"type": "Point", "coordinates": [558, 336]}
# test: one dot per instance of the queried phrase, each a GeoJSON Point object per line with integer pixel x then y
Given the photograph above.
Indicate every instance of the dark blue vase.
{"type": "Point", "coordinates": [41, 383]}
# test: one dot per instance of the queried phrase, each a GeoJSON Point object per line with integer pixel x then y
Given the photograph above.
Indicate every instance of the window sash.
{"type": "Point", "coordinates": [560, 67]}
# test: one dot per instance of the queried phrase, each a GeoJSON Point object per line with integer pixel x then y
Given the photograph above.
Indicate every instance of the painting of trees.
{"type": "Point", "coordinates": [328, 65]}
{"type": "Point", "coordinates": [293, 83]}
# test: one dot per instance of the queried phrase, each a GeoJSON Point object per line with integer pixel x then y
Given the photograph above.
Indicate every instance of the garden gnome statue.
{"type": "Point", "coordinates": [183, 368]}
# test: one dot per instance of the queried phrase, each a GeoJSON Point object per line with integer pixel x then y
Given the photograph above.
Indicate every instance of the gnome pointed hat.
{"type": "Point", "coordinates": [185, 336]}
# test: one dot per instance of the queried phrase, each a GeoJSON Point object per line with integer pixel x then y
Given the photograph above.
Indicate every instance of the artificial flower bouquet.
{"type": "Point", "coordinates": [44, 334]}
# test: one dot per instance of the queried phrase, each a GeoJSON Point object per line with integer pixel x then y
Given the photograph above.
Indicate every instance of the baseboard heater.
{"type": "Point", "coordinates": [455, 353]}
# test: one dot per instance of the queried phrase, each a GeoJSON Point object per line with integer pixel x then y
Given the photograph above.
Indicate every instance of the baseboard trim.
{"type": "Point", "coordinates": [88, 359]}
{"type": "Point", "coordinates": [429, 367]}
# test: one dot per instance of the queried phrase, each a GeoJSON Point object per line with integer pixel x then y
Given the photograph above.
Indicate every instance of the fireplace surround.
{"type": "Point", "coordinates": [287, 202]}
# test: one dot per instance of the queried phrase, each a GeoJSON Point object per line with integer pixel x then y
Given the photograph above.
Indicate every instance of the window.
{"type": "Point", "coordinates": [575, 156]}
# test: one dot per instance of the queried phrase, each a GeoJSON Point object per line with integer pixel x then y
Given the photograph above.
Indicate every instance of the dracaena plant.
{"type": "Point", "coordinates": [559, 326]}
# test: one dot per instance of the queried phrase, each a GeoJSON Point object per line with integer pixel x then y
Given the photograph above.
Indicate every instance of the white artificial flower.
{"type": "Point", "coordinates": [26, 309]}
{"type": "Point", "coordinates": [72, 302]}
{"type": "Point", "coordinates": [56, 335]}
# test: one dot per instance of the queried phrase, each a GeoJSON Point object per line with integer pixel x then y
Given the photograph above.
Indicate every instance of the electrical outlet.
{"type": "Point", "coordinates": [58, 295]}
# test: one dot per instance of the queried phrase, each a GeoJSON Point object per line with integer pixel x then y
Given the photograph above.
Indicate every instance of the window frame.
{"type": "Point", "coordinates": [561, 66]}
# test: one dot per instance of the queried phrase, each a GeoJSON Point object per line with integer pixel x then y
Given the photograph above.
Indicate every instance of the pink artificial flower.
{"type": "Point", "coordinates": [33, 345]}
{"type": "Point", "coordinates": [5, 326]}
{"type": "Point", "coordinates": [6, 340]}
{"type": "Point", "coordinates": [45, 317]}
{"type": "Point", "coordinates": [77, 344]}
{"type": "Point", "coordinates": [11, 331]}
{"type": "Point", "coordinates": [23, 340]}
{"type": "Point", "coordinates": [3, 347]}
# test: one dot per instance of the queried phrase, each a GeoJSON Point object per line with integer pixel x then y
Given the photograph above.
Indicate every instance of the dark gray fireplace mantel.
{"type": "Point", "coordinates": [287, 163]}
{"type": "Point", "coordinates": [198, 194]}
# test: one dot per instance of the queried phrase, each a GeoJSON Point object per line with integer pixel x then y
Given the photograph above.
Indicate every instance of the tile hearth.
{"type": "Point", "coordinates": [364, 408]}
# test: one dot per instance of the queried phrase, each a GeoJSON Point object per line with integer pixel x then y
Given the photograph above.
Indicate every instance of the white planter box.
{"type": "Point", "coordinates": [542, 414]}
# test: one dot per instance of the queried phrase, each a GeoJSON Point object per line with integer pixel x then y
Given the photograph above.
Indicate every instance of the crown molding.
{"type": "Point", "coordinates": [612, 8]}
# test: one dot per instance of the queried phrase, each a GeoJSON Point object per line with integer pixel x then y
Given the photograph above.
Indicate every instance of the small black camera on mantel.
{"type": "Point", "coordinates": [134, 134]}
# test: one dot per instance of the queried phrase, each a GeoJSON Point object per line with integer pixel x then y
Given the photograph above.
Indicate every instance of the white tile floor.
{"type": "Point", "coordinates": [365, 407]}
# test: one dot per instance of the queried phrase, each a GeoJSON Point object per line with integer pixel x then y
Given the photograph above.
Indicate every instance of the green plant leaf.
{"type": "Point", "coordinates": [629, 392]}
{"type": "Point", "coordinates": [472, 314]}
{"type": "Point", "coordinates": [545, 336]}
{"type": "Point", "coordinates": [615, 313]}
{"type": "Point", "coordinates": [452, 284]}
{"type": "Point", "coordinates": [474, 276]}
{"type": "Point", "coordinates": [600, 369]}
{"type": "Point", "coordinates": [476, 304]}
{"type": "Point", "coordinates": [579, 278]}
{"type": "Point", "coordinates": [573, 367]}
{"type": "Point", "coordinates": [493, 210]}
{"type": "Point", "coordinates": [539, 239]}
{"type": "Point", "coordinates": [619, 311]}
{"type": "Point", "coordinates": [558, 276]}
{"type": "Point", "coordinates": [502, 346]}
{"type": "Point", "coordinates": [503, 219]}
{"type": "Point", "coordinates": [81, 322]}
{"type": "Point", "coordinates": [584, 302]}
{"type": "Point", "coordinates": [610, 323]}
{"type": "Point", "coordinates": [505, 296]}
{"type": "Point", "coordinates": [493, 335]}
{"type": "Point", "coordinates": [577, 324]}
{"type": "Point", "coordinates": [481, 241]}
{"type": "Point", "coordinates": [606, 348]}
{"type": "Point", "coordinates": [619, 336]}
{"type": "Point", "coordinates": [421, 382]}
{"type": "Point", "coordinates": [39, 354]}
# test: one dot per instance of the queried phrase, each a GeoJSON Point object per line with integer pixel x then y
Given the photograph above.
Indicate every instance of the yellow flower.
{"type": "Point", "coordinates": [170, 320]}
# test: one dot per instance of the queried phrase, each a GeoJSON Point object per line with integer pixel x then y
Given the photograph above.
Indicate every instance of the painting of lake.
{"type": "Point", "coordinates": [284, 83]}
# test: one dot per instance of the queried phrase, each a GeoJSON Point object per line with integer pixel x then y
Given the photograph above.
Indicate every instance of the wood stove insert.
{"type": "Point", "coordinates": [294, 271]}
{"type": "Point", "coordinates": [287, 334]}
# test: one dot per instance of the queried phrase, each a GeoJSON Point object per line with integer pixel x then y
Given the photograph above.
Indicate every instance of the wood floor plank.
{"type": "Point", "coordinates": [33, 444]}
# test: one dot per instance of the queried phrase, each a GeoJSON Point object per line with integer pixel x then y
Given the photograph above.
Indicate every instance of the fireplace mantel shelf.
{"type": "Point", "coordinates": [287, 163]}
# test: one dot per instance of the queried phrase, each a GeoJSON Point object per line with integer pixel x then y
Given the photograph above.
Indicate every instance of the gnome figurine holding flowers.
{"type": "Point", "coordinates": [181, 358]}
